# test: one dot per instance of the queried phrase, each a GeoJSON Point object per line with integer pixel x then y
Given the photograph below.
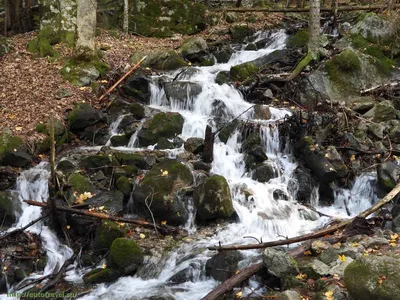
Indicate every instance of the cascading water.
{"type": "Point", "coordinates": [32, 184]}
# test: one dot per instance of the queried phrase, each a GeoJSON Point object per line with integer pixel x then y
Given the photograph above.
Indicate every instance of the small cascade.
{"type": "Point", "coordinates": [32, 184]}
{"type": "Point", "coordinates": [113, 130]}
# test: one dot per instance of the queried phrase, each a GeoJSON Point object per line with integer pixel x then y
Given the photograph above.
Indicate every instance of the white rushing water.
{"type": "Point", "coordinates": [32, 184]}
{"type": "Point", "coordinates": [265, 210]}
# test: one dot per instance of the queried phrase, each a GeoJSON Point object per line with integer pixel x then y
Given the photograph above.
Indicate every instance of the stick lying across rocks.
{"type": "Point", "coordinates": [163, 229]}
{"type": "Point", "coordinates": [320, 233]}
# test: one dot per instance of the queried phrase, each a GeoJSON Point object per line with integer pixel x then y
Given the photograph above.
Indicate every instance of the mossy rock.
{"type": "Point", "coordinates": [101, 275]}
{"type": "Point", "coordinates": [106, 233]}
{"type": "Point", "coordinates": [346, 61]}
{"type": "Point", "coordinates": [83, 73]}
{"type": "Point", "coordinates": [223, 77]}
{"type": "Point", "coordinates": [243, 71]}
{"type": "Point", "coordinates": [137, 110]}
{"type": "Point", "coordinates": [161, 60]}
{"type": "Point", "coordinates": [44, 127]}
{"type": "Point", "coordinates": [119, 140]}
{"type": "Point", "coordinates": [80, 184]}
{"type": "Point", "coordinates": [227, 131]}
{"type": "Point", "coordinates": [162, 184]}
{"type": "Point", "coordinates": [166, 125]}
{"type": "Point", "coordinates": [7, 209]}
{"type": "Point", "coordinates": [382, 112]}
{"type": "Point", "coordinates": [362, 276]}
{"type": "Point", "coordinates": [12, 151]}
{"type": "Point", "coordinates": [251, 142]}
{"type": "Point", "coordinates": [42, 47]}
{"type": "Point", "coordinates": [98, 161]}
{"type": "Point", "coordinates": [125, 256]}
{"type": "Point", "coordinates": [8, 143]}
{"type": "Point", "coordinates": [299, 40]}
{"type": "Point", "coordinates": [131, 159]}
{"type": "Point", "coordinates": [194, 48]}
{"type": "Point", "coordinates": [240, 32]}
{"type": "Point", "coordinates": [124, 185]}
{"type": "Point", "coordinates": [83, 115]}
{"type": "Point", "coordinates": [213, 199]}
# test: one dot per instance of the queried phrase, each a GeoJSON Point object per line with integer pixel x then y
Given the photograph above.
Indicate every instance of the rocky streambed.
{"type": "Point", "coordinates": [314, 141]}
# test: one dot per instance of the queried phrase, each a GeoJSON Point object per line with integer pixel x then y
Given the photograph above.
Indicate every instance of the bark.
{"type": "Point", "coordinates": [164, 229]}
{"type": "Point", "coordinates": [126, 16]}
{"type": "Point", "coordinates": [85, 48]}
{"type": "Point", "coordinates": [18, 15]}
{"type": "Point", "coordinates": [232, 282]}
{"type": "Point", "coordinates": [238, 3]}
{"type": "Point", "coordinates": [320, 233]}
{"type": "Point", "coordinates": [208, 153]}
{"type": "Point", "coordinates": [314, 28]}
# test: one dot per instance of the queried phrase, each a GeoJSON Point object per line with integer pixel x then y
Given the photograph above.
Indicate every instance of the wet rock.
{"type": "Point", "coordinates": [280, 195]}
{"type": "Point", "coordinates": [388, 175]}
{"type": "Point", "coordinates": [119, 140]}
{"type": "Point", "coordinates": [82, 116]}
{"type": "Point", "coordinates": [194, 145]}
{"type": "Point", "coordinates": [125, 256]}
{"type": "Point", "coordinates": [382, 112]}
{"type": "Point", "coordinates": [243, 71]}
{"type": "Point", "coordinates": [279, 263]}
{"type": "Point", "coordinates": [96, 134]}
{"type": "Point", "coordinates": [251, 142]}
{"type": "Point", "coordinates": [223, 265]}
{"type": "Point", "coordinates": [326, 194]}
{"type": "Point", "coordinates": [224, 54]}
{"type": "Point", "coordinates": [200, 165]}
{"type": "Point", "coordinates": [361, 278]}
{"type": "Point", "coordinates": [182, 91]}
{"type": "Point", "coordinates": [8, 177]}
{"type": "Point", "coordinates": [305, 184]}
{"type": "Point", "coordinates": [98, 161]}
{"type": "Point", "coordinates": [166, 125]}
{"type": "Point", "coordinates": [227, 131]}
{"type": "Point", "coordinates": [137, 110]}
{"type": "Point", "coordinates": [223, 77]}
{"type": "Point", "coordinates": [265, 172]}
{"type": "Point", "coordinates": [124, 185]}
{"type": "Point", "coordinates": [258, 154]}
{"type": "Point", "coordinates": [190, 273]}
{"type": "Point", "coordinates": [313, 267]}
{"type": "Point", "coordinates": [12, 151]}
{"type": "Point", "coordinates": [273, 57]}
{"type": "Point", "coordinates": [240, 32]}
{"type": "Point", "coordinates": [80, 184]}
{"type": "Point", "coordinates": [162, 183]}
{"type": "Point", "coordinates": [251, 47]}
{"type": "Point", "coordinates": [138, 87]}
{"type": "Point", "coordinates": [106, 233]}
{"type": "Point", "coordinates": [329, 255]}
{"type": "Point", "coordinates": [164, 143]}
{"type": "Point", "coordinates": [213, 199]}
{"type": "Point", "coordinates": [101, 275]}
{"type": "Point", "coordinates": [160, 60]}
{"type": "Point", "coordinates": [118, 106]}
{"type": "Point", "coordinates": [262, 112]}
{"type": "Point", "coordinates": [111, 200]}
{"type": "Point", "coordinates": [7, 208]}
{"type": "Point", "coordinates": [194, 49]}
{"type": "Point", "coordinates": [131, 159]}
{"type": "Point", "coordinates": [336, 160]}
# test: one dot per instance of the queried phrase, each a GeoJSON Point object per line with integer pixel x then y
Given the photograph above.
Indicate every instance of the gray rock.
{"type": "Point", "coordinates": [194, 145]}
{"type": "Point", "coordinates": [329, 255]}
{"type": "Point", "coordinates": [371, 242]}
{"type": "Point", "coordinates": [318, 246]}
{"type": "Point", "coordinates": [262, 112]}
{"type": "Point", "coordinates": [382, 112]}
{"type": "Point", "coordinates": [340, 266]}
{"type": "Point", "coordinates": [279, 262]}
{"type": "Point", "coordinates": [336, 160]}
{"type": "Point", "coordinates": [8, 205]}
{"type": "Point", "coordinates": [137, 86]}
{"type": "Point", "coordinates": [376, 130]}
{"type": "Point", "coordinates": [388, 175]}
{"type": "Point", "coordinates": [8, 177]}
{"type": "Point", "coordinates": [374, 28]}
{"type": "Point", "coordinates": [304, 183]}
{"type": "Point", "coordinates": [289, 295]}
{"type": "Point", "coordinates": [223, 265]}
{"type": "Point", "coordinates": [265, 172]}
{"type": "Point", "coordinates": [82, 116]}
{"type": "Point", "coordinates": [182, 92]}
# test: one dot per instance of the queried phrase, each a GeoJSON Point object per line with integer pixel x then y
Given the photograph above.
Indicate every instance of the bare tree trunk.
{"type": "Point", "coordinates": [299, 4]}
{"type": "Point", "coordinates": [239, 3]}
{"type": "Point", "coordinates": [5, 17]}
{"type": "Point", "coordinates": [126, 16]}
{"type": "Point", "coordinates": [85, 48]}
{"type": "Point", "coordinates": [314, 28]}
{"type": "Point", "coordinates": [18, 16]}
{"type": "Point", "coordinates": [208, 152]}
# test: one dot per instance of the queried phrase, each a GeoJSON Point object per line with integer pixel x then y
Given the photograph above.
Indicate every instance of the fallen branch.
{"type": "Point", "coordinates": [18, 230]}
{"type": "Point", "coordinates": [379, 87]}
{"type": "Point", "coordinates": [298, 10]}
{"type": "Point", "coordinates": [123, 77]}
{"type": "Point", "coordinates": [233, 281]}
{"type": "Point", "coordinates": [164, 229]}
{"type": "Point", "coordinates": [320, 233]}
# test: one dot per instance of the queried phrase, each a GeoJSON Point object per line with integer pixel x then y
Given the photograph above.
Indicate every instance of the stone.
{"type": "Point", "coordinates": [131, 159]}
{"type": "Point", "coordinates": [200, 165]}
{"type": "Point", "coordinates": [82, 116]}
{"type": "Point", "coordinates": [8, 178]}
{"type": "Point", "coordinates": [340, 266]}
{"type": "Point", "coordinates": [101, 275]}
{"type": "Point", "coordinates": [160, 60]}
{"type": "Point", "coordinates": [318, 246]}
{"type": "Point", "coordinates": [388, 175]}
{"type": "Point", "coordinates": [240, 32]}
{"type": "Point", "coordinates": [374, 28]}
{"type": "Point", "coordinates": [8, 208]}
{"type": "Point", "coordinates": [223, 265]}
{"type": "Point", "coordinates": [230, 17]}
{"type": "Point", "coordinates": [182, 92]}
{"type": "Point", "coordinates": [162, 183]}
{"type": "Point", "coordinates": [12, 151]}
{"type": "Point", "coordinates": [213, 199]}
{"type": "Point", "coordinates": [194, 145]}
{"type": "Point", "coordinates": [279, 263]}
{"type": "Point", "coordinates": [190, 273]}
{"type": "Point", "coordinates": [363, 104]}
{"type": "Point", "coordinates": [243, 71]}
{"type": "Point", "coordinates": [113, 201]}
{"type": "Point", "coordinates": [119, 140]}
{"type": "Point", "coordinates": [370, 242]}
{"type": "Point", "coordinates": [336, 160]}
{"type": "Point", "coordinates": [305, 184]}
{"type": "Point", "coordinates": [265, 172]}
{"type": "Point", "coordinates": [382, 112]}
{"type": "Point", "coordinates": [289, 295]}
{"type": "Point", "coordinates": [328, 256]}
{"type": "Point", "coordinates": [376, 130]}
{"type": "Point", "coordinates": [137, 86]}
{"type": "Point", "coordinates": [224, 54]}
{"type": "Point", "coordinates": [262, 112]}
{"type": "Point", "coordinates": [106, 233]}
{"type": "Point", "coordinates": [96, 134]}
{"type": "Point", "coordinates": [361, 278]}
{"type": "Point", "coordinates": [164, 143]}
{"type": "Point", "coordinates": [194, 48]}
{"type": "Point", "coordinates": [166, 125]}
{"type": "Point", "coordinates": [223, 77]}
{"type": "Point", "coordinates": [125, 256]}
{"type": "Point", "coordinates": [124, 186]}
{"type": "Point", "coordinates": [137, 110]}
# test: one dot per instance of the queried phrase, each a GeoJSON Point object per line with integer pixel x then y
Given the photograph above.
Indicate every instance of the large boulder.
{"type": "Point", "coordinates": [166, 125]}
{"type": "Point", "coordinates": [375, 29]}
{"type": "Point", "coordinates": [213, 199]}
{"type": "Point", "coordinates": [137, 86]}
{"type": "Point", "coordinates": [279, 263]}
{"type": "Point", "coordinates": [243, 71]}
{"type": "Point", "coordinates": [106, 233]}
{"type": "Point", "coordinates": [160, 60]}
{"type": "Point", "coordinates": [125, 256]}
{"type": "Point", "coordinates": [194, 49]}
{"type": "Point", "coordinates": [12, 151]}
{"type": "Point", "coordinates": [388, 175]}
{"type": "Point", "coordinates": [223, 265]}
{"type": "Point", "coordinates": [82, 116]}
{"type": "Point", "coordinates": [373, 277]}
{"type": "Point", "coordinates": [160, 187]}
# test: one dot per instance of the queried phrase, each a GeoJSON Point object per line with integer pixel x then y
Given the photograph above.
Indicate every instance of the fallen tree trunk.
{"type": "Point", "coordinates": [164, 229]}
{"type": "Point", "coordinates": [320, 233]}
{"type": "Point", "coordinates": [291, 10]}
{"type": "Point", "coordinates": [232, 282]}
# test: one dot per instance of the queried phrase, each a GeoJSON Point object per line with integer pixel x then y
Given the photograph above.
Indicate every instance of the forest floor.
{"type": "Point", "coordinates": [32, 89]}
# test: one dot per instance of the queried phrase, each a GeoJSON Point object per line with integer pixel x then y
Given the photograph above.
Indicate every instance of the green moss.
{"type": "Point", "coordinates": [119, 140]}
{"type": "Point", "coordinates": [124, 185]}
{"type": "Point", "coordinates": [299, 40]}
{"type": "Point", "coordinates": [8, 143]}
{"type": "Point", "coordinates": [243, 71]}
{"type": "Point", "coordinates": [252, 140]}
{"type": "Point", "coordinates": [100, 275]}
{"type": "Point", "coordinates": [80, 184]}
{"type": "Point", "coordinates": [240, 32]}
{"type": "Point", "coordinates": [106, 233]}
{"type": "Point", "coordinates": [137, 110]}
{"type": "Point", "coordinates": [41, 128]}
{"type": "Point", "coordinates": [130, 159]}
{"type": "Point", "coordinates": [161, 60]}
{"type": "Point", "coordinates": [98, 161]}
{"type": "Point", "coordinates": [125, 255]}
{"type": "Point", "coordinates": [83, 72]}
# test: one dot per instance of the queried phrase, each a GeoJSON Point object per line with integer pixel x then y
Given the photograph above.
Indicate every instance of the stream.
{"type": "Point", "coordinates": [264, 214]}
